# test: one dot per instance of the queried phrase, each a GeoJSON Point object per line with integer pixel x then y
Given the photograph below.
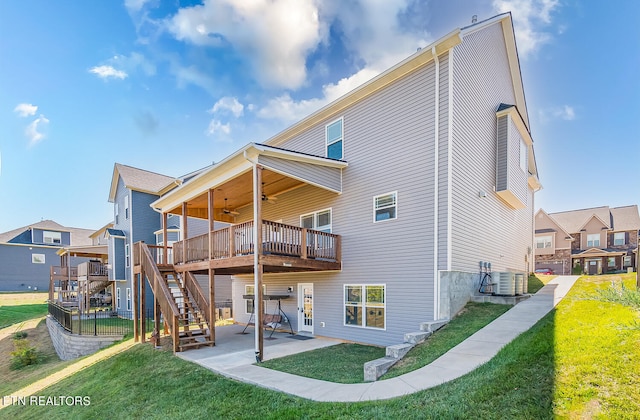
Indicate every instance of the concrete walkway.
{"type": "Point", "coordinates": [462, 359]}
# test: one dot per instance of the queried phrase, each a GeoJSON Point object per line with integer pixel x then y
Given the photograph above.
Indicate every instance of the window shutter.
{"type": "Point", "coordinates": [626, 238]}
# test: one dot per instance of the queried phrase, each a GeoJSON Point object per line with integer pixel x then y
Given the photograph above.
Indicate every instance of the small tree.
{"type": "Point", "coordinates": [24, 354]}
{"type": "Point", "coordinates": [577, 270]}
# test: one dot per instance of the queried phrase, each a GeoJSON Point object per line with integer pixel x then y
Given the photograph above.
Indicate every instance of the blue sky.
{"type": "Point", "coordinates": [171, 86]}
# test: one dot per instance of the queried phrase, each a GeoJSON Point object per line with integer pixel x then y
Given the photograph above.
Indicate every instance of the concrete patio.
{"type": "Point", "coordinates": [234, 357]}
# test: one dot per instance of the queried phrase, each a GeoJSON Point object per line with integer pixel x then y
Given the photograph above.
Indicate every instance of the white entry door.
{"type": "Point", "coordinates": [305, 307]}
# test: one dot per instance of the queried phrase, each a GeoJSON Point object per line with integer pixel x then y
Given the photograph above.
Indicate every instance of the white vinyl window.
{"type": "Point", "coordinates": [51, 237]}
{"type": "Point", "coordinates": [127, 256]}
{"type": "Point", "coordinates": [116, 212]}
{"type": "Point", "coordinates": [319, 220]}
{"type": "Point", "coordinates": [593, 239]}
{"type": "Point", "coordinates": [543, 242]}
{"type": "Point", "coordinates": [249, 289]}
{"type": "Point", "coordinates": [619, 238]}
{"type": "Point", "coordinates": [611, 262]}
{"type": "Point", "coordinates": [365, 306]}
{"type": "Point", "coordinates": [626, 261]}
{"type": "Point", "coordinates": [126, 207]}
{"type": "Point", "coordinates": [385, 207]}
{"type": "Point", "coordinates": [523, 156]}
{"type": "Point", "coordinates": [118, 298]}
{"type": "Point", "coordinates": [128, 299]}
{"type": "Point", "coordinates": [37, 258]}
{"type": "Point", "coordinates": [334, 137]}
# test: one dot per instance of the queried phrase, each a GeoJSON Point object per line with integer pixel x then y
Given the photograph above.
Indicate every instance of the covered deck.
{"type": "Point", "coordinates": [234, 192]}
{"type": "Point", "coordinates": [74, 286]}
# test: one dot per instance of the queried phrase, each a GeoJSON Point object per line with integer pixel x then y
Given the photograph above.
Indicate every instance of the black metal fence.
{"type": "Point", "coordinates": [97, 321]}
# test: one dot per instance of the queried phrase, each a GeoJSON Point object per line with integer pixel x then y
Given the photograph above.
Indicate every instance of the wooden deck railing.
{"type": "Point", "coordinates": [160, 290]}
{"type": "Point", "coordinates": [196, 292]}
{"type": "Point", "coordinates": [277, 239]}
{"type": "Point", "coordinates": [92, 269]}
{"type": "Point", "coordinates": [65, 272]}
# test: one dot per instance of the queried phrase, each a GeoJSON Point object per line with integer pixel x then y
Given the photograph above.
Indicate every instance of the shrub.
{"type": "Point", "coordinates": [577, 270]}
{"type": "Point", "coordinates": [620, 294]}
{"type": "Point", "coordinates": [19, 335]}
{"type": "Point", "coordinates": [24, 354]}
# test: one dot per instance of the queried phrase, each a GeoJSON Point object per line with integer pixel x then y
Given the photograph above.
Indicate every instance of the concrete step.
{"type": "Point", "coordinates": [416, 337]}
{"type": "Point", "coordinates": [398, 351]}
{"type": "Point", "coordinates": [376, 368]}
{"type": "Point", "coordinates": [433, 326]}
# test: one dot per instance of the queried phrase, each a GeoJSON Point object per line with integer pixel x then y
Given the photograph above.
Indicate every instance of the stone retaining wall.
{"type": "Point", "coordinates": [71, 346]}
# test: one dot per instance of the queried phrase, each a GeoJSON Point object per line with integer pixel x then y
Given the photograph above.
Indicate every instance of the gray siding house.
{"type": "Point", "coordinates": [371, 215]}
{"type": "Point", "coordinates": [132, 192]}
{"type": "Point", "coordinates": [27, 254]}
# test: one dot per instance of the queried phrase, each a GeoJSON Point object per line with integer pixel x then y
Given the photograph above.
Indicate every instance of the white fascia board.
{"type": "Point", "coordinates": [298, 157]}
{"type": "Point", "coordinates": [230, 168]}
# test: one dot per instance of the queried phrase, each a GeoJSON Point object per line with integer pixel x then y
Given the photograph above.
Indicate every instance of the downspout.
{"type": "Point", "coordinates": [436, 182]}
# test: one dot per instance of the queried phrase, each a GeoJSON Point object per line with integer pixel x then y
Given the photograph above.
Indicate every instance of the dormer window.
{"type": "Point", "coordinates": [52, 237]}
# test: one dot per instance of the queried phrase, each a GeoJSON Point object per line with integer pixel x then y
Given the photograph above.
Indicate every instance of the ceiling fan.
{"type": "Point", "coordinates": [227, 211]}
{"type": "Point", "coordinates": [269, 198]}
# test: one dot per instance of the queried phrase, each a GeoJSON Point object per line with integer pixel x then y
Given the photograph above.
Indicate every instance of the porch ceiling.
{"type": "Point", "coordinates": [283, 170]}
{"type": "Point", "coordinates": [238, 193]}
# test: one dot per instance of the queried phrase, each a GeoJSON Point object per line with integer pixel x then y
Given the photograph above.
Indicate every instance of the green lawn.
{"type": "Point", "coordinates": [344, 363]}
{"type": "Point", "coordinates": [579, 361]}
{"type": "Point", "coordinates": [20, 307]}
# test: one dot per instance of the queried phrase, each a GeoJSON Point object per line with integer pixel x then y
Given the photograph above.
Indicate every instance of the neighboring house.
{"type": "Point", "coordinates": [593, 241]}
{"type": "Point", "coordinates": [132, 191]}
{"type": "Point", "coordinates": [371, 215]}
{"type": "Point", "coordinates": [27, 253]}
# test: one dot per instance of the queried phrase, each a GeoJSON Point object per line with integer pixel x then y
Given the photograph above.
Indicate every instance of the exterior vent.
{"type": "Point", "coordinates": [506, 284]}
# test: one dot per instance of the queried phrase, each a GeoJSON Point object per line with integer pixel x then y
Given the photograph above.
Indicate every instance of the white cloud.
{"type": "Point", "coordinates": [135, 5]}
{"type": "Point", "coordinates": [286, 109]}
{"type": "Point", "coordinates": [132, 63]}
{"type": "Point", "coordinates": [528, 16]}
{"type": "Point", "coordinates": [376, 38]}
{"type": "Point", "coordinates": [33, 130]}
{"type": "Point", "coordinates": [25, 110]}
{"type": "Point", "coordinates": [191, 75]}
{"type": "Point", "coordinates": [275, 35]}
{"type": "Point", "coordinates": [564, 112]}
{"type": "Point", "coordinates": [105, 72]}
{"type": "Point", "coordinates": [215, 126]}
{"type": "Point", "coordinates": [228, 104]}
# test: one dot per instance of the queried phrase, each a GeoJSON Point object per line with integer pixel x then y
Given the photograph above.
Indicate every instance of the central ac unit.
{"type": "Point", "coordinates": [505, 284]}
{"type": "Point", "coordinates": [520, 284]}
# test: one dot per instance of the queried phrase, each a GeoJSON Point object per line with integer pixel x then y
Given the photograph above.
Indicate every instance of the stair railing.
{"type": "Point", "coordinates": [161, 291]}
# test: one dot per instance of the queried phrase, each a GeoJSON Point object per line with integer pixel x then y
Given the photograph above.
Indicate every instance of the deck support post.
{"type": "Point", "coordinates": [257, 265]}
{"type": "Point", "coordinates": [165, 240]}
{"type": "Point", "coordinates": [212, 279]}
{"type": "Point", "coordinates": [185, 231]}
{"type": "Point", "coordinates": [143, 312]}
{"type": "Point", "coordinates": [212, 306]}
{"type": "Point", "coordinates": [136, 330]}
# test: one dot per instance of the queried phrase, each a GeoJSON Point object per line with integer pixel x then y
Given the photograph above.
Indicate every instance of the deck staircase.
{"type": "Point", "coordinates": [97, 286]}
{"type": "Point", "coordinates": [182, 303]}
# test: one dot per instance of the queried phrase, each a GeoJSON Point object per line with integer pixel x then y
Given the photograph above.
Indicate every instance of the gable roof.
{"type": "Point", "coordinates": [625, 218]}
{"type": "Point", "coordinates": [79, 236]}
{"type": "Point", "coordinates": [616, 218]}
{"type": "Point", "coordinates": [554, 221]}
{"type": "Point", "coordinates": [140, 180]}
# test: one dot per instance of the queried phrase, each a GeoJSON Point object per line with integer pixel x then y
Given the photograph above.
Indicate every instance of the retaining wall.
{"type": "Point", "coordinates": [71, 346]}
